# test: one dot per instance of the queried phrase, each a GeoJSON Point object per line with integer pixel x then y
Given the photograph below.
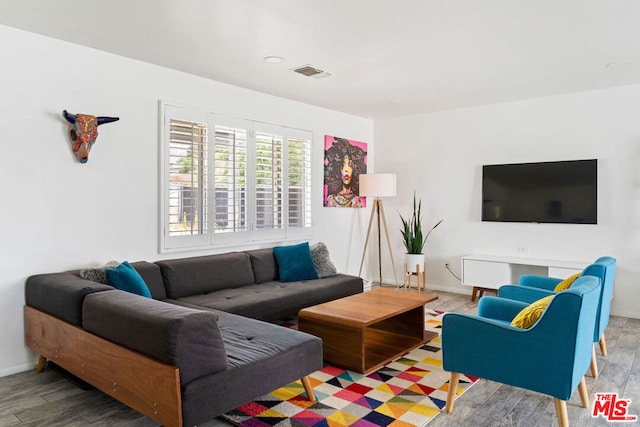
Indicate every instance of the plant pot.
{"type": "Point", "coordinates": [414, 260]}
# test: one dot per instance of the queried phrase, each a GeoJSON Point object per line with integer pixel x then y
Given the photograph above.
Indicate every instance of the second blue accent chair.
{"type": "Point", "coordinates": [531, 288]}
{"type": "Point", "coordinates": [551, 357]}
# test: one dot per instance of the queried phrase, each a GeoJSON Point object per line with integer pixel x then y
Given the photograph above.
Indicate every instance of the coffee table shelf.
{"type": "Point", "coordinates": [365, 331]}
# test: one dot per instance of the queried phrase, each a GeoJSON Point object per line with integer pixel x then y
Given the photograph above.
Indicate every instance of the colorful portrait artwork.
{"type": "Point", "coordinates": [344, 161]}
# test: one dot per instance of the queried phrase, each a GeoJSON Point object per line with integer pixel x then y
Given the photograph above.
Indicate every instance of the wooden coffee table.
{"type": "Point", "coordinates": [365, 331]}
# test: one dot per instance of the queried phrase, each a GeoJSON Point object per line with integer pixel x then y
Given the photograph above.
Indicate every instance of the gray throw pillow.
{"type": "Point", "coordinates": [98, 274]}
{"type": "Point", "coordinates": [322, 260]}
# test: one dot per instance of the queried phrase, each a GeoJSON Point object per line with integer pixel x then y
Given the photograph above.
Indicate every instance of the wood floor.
{"type": "Point", "coordinates": [47, 399]}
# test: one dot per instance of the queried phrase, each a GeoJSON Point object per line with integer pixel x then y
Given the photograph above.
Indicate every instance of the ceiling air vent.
{"type": "Point", "coordinates": [311, 71]}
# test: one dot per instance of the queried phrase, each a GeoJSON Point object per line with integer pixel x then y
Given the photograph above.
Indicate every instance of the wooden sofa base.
{"type": "Point", "coordinates": [138, 381]}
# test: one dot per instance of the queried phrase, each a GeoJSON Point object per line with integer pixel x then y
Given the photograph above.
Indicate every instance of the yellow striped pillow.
{"type": "Point", "coordinates": [566, 283]}
{"type": "Point", "coordinates": [530, 314]}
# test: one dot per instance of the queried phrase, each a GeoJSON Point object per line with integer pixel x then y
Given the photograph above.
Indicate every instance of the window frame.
{"type": "Point", "coordinates": [167, 241]}
{"type": "Point", "coordinates": [212, 238]}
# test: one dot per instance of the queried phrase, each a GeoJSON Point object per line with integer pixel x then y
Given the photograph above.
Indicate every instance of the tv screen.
{"type": "Point", "coordinates": [564, 192]}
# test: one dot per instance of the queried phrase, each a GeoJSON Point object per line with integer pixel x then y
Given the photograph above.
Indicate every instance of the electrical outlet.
{"type": "Point", "coordinates": [523, 249]}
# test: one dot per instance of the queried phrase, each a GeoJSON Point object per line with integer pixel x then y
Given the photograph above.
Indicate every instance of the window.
{"type": "Point", "coordinates": [227, 180]}
{"type": "Point", "coordinates": [187, 178]}
{"type": "Point", "coordinates": [269, 181]}
{"type": "Point", "coordinates": [230, 180]}
{"type": "Point", "coordinates": [299, 156]}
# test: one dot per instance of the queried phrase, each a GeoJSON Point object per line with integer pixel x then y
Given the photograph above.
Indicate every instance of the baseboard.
{"type": "Point", "coordinates": [461, 291]}
{"type": "Point", "coordinates": [16, 369]}
{"type": "Point", "coordinates": [629, 314]}
{"type": "Point", "coordinates": [466, 290]}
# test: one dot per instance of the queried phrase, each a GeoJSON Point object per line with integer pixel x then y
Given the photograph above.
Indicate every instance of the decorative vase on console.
{"type": "Point", "coordinates": [412, 237]}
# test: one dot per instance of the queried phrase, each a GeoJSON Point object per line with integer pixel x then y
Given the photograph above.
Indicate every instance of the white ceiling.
{"type": "Point", "coordinates": [388, 58]}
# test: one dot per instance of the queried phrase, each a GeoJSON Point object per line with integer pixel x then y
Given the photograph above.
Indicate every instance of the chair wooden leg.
{"type": "Point", "coordinates": [306, 382]}
{"type": "Point", "coordinates": [584, 394]}
{"type": "Point", "coordinates": [603, 345]}
{"type": "Point", "coordinates": [41, 362]}
{"type": "Point", "coordinates": [451, 394]}
{"type": "Point", "coordinates": [561, 411]}
{"type": "Point", "coordinates": [594, 364]}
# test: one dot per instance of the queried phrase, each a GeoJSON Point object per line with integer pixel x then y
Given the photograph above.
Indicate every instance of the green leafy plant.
{"type": "Point", "coordinates": [412, 230]}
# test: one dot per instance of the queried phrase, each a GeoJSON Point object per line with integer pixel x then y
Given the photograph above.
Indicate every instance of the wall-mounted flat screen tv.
{"type": "Point", "coordinates": [564, 192]}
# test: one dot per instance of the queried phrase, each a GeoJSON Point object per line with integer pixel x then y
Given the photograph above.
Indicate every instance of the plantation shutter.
{"type": "Point", "coordinates": [230, 179]}
{"type": "Point", "coordinates": [184, 158]}
{"type": "Point", "coordinates": [187, 178]}
{"type": "Point", "coordinates": [299, 180]}
{"type": "Point", "coordinates": [269, 181]}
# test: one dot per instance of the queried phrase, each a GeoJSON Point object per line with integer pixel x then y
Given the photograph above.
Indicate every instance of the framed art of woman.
{"type": "Point", "coordinates": [344, 161]}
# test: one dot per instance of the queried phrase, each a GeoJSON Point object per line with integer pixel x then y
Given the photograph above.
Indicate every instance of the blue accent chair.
{"type": "Point", "coordinates": [551, 357]}
{"type": "Point", "coordinates": [531, 288]}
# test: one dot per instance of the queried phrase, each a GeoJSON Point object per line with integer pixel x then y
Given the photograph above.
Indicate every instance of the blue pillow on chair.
{"type": "Point", "coordinates": [295, 262]}
{"type": "Point", "coordinates": [126, 278]}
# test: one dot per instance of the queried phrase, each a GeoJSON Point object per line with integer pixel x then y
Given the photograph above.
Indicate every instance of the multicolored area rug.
{"type": "Point", "coordinates": [409, 391]}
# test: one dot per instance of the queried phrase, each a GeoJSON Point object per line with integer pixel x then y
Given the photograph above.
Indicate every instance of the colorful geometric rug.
{"type": "Point", "coordinates": [409, 391]}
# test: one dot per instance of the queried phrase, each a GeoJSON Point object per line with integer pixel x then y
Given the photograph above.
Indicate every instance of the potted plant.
{"type": "Point", "coordinates": [412, 236]}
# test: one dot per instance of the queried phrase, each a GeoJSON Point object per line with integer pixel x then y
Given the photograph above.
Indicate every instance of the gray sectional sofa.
{"type": "Point", "coordinates": [198, 348]}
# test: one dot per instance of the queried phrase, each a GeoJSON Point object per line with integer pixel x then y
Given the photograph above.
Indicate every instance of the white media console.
{"type": "Point", "coordinates": [489, 272]}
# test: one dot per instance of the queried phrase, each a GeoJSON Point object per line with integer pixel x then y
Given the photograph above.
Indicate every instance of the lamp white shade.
{"type": "Point", "coordinates": [378, 184]}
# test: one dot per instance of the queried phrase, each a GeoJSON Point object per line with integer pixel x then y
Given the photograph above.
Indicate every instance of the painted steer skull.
{"type": "Point", "coordinates": [84, 131]}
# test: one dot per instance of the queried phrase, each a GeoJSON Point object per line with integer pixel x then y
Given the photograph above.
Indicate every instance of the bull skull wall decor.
{"type": "Point", "coordinates": [84, 131]}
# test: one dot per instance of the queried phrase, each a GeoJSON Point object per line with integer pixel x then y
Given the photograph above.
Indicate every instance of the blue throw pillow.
{"type": "Point", "coordinates": [295, 262]}
{"type": "Point", "coordinates": [126, 278]}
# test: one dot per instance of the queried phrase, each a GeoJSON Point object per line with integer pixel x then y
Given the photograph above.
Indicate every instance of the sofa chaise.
{"type": "Point", "coordinates": [199, 347]}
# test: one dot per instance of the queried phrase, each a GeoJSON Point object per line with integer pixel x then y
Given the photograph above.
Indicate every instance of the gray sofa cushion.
{"type": "Point", "coordinates": [263, 262]}
{"type": "Point", "coordinates": [275, 300]}
{"type": "Point", "coordinates": [262, 357]}
{"type": "Point", "coordinates": [186, 338]}
{"type": "Point", "coordinates": [152, 277]}
{"type": "Point", "coordinates": [200, 275]}
{"type": "Point", "coordinates": [61, 294]}
{"type": "Point", "coordinates": [322, 260]}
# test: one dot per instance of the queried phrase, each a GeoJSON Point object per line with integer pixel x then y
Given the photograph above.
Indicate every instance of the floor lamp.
{"type": "Point", "coordinates": [378, 185]}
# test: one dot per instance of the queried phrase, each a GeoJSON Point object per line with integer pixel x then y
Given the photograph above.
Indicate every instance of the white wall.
{"type": "Point", "coordinates": [440, 155]}
{"type": "Point", "coordinates": [58, 214]}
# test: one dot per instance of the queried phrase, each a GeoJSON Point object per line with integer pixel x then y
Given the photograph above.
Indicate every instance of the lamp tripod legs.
{"type": "Point", "coordinates": [378, 212]}
{"type": "Point", "coordinates": [366, 240]}
{"type": "Point", "coordinates": [386, 232]}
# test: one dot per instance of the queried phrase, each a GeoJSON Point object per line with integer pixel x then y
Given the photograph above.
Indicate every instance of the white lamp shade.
{"type": "Point", "coordinates": [378, 184]}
